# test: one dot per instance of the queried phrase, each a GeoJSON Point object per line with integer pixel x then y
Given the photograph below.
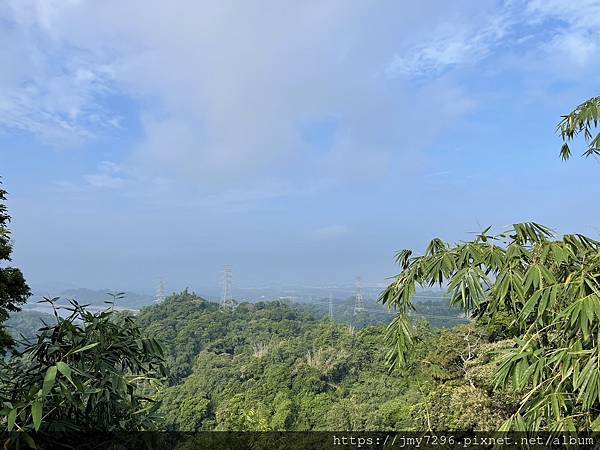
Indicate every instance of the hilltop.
{"type": "Point", "coordinates": [275, 365]}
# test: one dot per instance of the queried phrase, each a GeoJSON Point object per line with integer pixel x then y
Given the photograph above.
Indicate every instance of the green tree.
{"type": "Point", "coordinates": [582, 119]}
{"type": "Point", "coordinates": [13, 288]}
{"type": "Point", "coordinates": [270, 366]}
{"type": "Point", "coordinates": [87, 372]}
{"type": "Point", "coordinates": [549, 287]}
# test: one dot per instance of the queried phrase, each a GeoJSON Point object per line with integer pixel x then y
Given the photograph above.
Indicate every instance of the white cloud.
{"type": "Point", "coordinates": [576, 33]}
{"type": "Point", "coordinates": [452, 45]}
{"type": "Point", "coordinates": [564, 27]}
{"type": "Point", "coordinates": [45, 91]}
{"type": "Point", "coordinates": [583, 14]}
{"type": "Point", "coordinates": [579, 48]}
{"type": "Point", "coordinates": [109, 175]}
{"type": "Point", "coordinates": [104, 181]}
{"type": "Point", "coordinates": [225, 88]}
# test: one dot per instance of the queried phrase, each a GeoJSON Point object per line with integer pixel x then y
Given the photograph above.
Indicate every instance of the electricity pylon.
{"type": "Point", "coordinates": [160, 292]}
{"type": "Point", "coordinates": [227, 301]}
{"type": "Point", "coordinates": [359, 304]}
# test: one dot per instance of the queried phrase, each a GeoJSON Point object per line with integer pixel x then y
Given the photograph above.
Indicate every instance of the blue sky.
{"type": "Point", "coordinates": [300, 142]}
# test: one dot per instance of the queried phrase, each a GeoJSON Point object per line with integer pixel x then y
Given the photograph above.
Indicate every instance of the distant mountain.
{"type": "Point", "coordinates": [294, 293]}
{"type": "Point", "coordinates": [131, 300]}
{"type": "Point", "coordinates": [50, 286]}
{"type": "Point", "coordinates": [23, 325]}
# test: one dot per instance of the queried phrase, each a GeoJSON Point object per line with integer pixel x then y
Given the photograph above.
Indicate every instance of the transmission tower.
{"type": "Point", "coordinates": [160, 292]}
{"type": "Point", "coordinates": [227, 300]}
{"type": "Point", "coordinates": [359, 304]}
{"type": "Point", "coordinates": [330, 307]}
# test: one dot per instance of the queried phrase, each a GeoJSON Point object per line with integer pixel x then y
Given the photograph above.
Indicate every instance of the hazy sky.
{"type": "Point", "coordinates": [300, 142]}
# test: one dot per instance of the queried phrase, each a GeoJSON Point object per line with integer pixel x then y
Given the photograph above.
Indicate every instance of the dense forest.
{"type": "Point", "coordinates": [273, 366]}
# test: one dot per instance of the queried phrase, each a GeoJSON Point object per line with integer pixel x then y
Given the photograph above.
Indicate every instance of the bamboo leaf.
{"type": "Point", "coordinates": [36, 414]}
{"type": "Point", "coordinates": [49, 380]}
{"type": "Point", "coordinates": [11, 418]}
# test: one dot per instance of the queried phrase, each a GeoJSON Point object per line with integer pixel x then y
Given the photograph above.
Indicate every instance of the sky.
{"type": "Point", "coordinates": [298, 142]}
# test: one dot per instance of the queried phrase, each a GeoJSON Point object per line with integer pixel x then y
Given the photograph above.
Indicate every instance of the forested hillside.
{"type": "Point", "coordinates": [24, 325]}
{"type": "Point", "coordinates": [274, 366]}
{"type": "Point", "coordinates": [435, 309]}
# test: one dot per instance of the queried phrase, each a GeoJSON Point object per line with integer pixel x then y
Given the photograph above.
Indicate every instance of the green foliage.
{"type": "Point", "coordinates": [188, 325]}
{"type": "Point", "coordinates": [284, 370]}
{"type": "Point", "coordinates": [87, 372]}
{"type": "Point", "coordinates": [582, 119]}
{"type": "Point", "coordinates": [269, 366]}
{"type": "Point", "coordinates": [548, 288]}
{"type": "Point", "coordinates": [13, 288]}
{"type": "Point", "coordinates": [23, 325]}
{"type": "Point", "coordinates": [462, 395]}
{"type": "Point", "coordinates": [281, 368]}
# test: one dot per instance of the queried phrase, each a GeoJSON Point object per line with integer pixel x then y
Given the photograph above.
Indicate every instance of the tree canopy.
{"type": "Point", "coordinates": [13, 288]}
{"type": "Point", "coordinates": [273, 366]}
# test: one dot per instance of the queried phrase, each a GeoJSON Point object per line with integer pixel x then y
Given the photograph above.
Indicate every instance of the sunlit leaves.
{"type": "Point", "coordinates": [64, 369]}
{"type": "Point", "coordinates": [403, 258]}
{"type": "Point", "coordinates": [550, 287]}
{"type": "Point", "coordinates": [398, 337]}
{"type": "Point", "coordinates": [530, 232]}
{"type": "Point", "coordinates": [582, 120]}
{"type": "Point", "coordinates": [49, 380]}
{"type": "Point", "coordinates": [468, 287]}
{"type": "Point", "coordinates": [89, 371]}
